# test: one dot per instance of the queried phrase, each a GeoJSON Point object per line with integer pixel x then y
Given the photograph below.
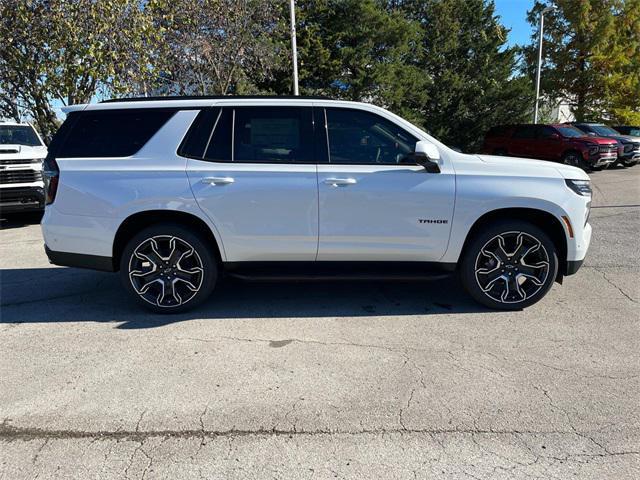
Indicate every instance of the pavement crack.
{"type": "Point", "coordinates": [625, 294]}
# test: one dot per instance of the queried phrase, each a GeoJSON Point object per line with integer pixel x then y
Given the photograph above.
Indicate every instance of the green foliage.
{"type": "Point", "coordinates": [472, 86]}
{"type": "Point", "coordinates": [591, 57]}
{"type": "Point", "coordinates": [62, 51]}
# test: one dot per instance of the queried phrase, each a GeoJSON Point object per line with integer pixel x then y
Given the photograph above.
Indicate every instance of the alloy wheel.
{"type": "Point", "coordinates": [512, 267]}
{"type": "Point", "coordinates": [166, 271]}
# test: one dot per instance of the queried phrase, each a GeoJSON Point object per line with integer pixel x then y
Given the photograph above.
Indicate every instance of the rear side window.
{"type": "Point", "coordinates": [273, 135]}
{"type": "Point", "coordinates": [525, 131]}
{"type": "Point", "coordinates": [113, 133]}
{"type": "Point", "coordinates": [252, 135]}
{"type": "Point", "coordinates": [196, 140]}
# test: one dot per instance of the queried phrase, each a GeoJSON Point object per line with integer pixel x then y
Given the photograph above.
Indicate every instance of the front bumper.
{"type": "Point", "coordinates": [22, 199]}
{"type": "Point", "coordinates": [630, 158]}
{"type": "Point", "coordinates": [602, 159]}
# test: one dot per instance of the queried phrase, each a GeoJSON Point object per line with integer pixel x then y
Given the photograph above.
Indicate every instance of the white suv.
{"type": "Point", "coordinates": [21, 154]}
{"type": "Point", "coordinates": [175, 192]}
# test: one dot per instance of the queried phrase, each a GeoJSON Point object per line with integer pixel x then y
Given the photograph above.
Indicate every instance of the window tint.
{"type": "Point", "coordinates": [113, 133]}
{"type": "Point", "coordinates": [524, 131]}
{"type": "Point", "coordinates": [273, 135]}
{"type": "Point", "coordinates": [359, 137]}
{"type": "Point", "coordinates": [546, 132]}
{"type": "Point", "coordinates": [195, 142]}
{"type": "Point", "coordinates": [219, 141]}
{"type": "Point", "coordinates": [499, 131]}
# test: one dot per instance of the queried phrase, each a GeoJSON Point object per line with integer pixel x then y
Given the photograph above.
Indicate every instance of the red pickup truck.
{"type": "Point", "coordinates": [557, 143]}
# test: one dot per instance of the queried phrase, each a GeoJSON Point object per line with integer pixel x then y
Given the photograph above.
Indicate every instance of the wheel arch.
{"type": "Point", "coordinates": [140, 220]}
{"type": "Point", "coordinates": [547, 222]}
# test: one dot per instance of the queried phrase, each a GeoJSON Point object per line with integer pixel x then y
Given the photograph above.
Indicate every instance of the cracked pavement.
{"type": "Point", "coordinates": [318, 380]}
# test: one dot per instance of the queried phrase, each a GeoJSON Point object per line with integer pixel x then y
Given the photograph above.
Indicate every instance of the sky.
{"type": "Point", "coordinates": [513, 14]}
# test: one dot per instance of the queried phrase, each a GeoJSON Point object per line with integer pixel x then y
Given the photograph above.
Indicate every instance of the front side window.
{"type": "Point", "coordinates": [570, 132]}
{"type": "Point", "coordinates": [19, 135]}
{"type": "Point", "coordinates": [360, 137]}
{"type": "Point", "coordinates": [112, 133]}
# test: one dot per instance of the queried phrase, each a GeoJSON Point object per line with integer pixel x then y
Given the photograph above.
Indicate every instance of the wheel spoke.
{"type": "Point", "coordinates": [144, 280]}
{"type": "Point", "coordinates": [533, 270]}
{"type": "Point", "coordinates": [168, 294]}
{"type": "Point", "coordinates": [490, 275]}
{"type": "Point", "coordinates": [151, 253]}
{"type": "Point", "coordinates": [188, 277]}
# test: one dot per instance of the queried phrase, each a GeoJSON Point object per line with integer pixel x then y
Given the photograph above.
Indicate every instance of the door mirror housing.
{"type": "Point", "coordinates": [427, 155]}
{"type": "Point", "coordinates": [554, 136]}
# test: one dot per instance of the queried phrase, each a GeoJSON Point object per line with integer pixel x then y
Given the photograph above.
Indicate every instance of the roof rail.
{"type": "Point", "coordinates": [214, 97]}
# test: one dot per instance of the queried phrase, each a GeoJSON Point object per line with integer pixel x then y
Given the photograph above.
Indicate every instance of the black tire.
{"type": "Point", "coordinates": [160, 268]}
{"type": "Point", "coordinates": [574, 159]}
{"type": "Point", "coordinates": [515, 281]}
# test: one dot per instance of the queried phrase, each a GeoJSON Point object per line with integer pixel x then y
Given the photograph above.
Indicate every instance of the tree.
{"type": "Point", "coordinates": [216, 46]}
{"type": "Point", "coordinates": [471, 70]}
{"type": "Point", "coordinates": [591, 57]}
{"type": "Point", "coordinates": [56, 50]}
{"type": "Point", "coordinates": [355, 50]}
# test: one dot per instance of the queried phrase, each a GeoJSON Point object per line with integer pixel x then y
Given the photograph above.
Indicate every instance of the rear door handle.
{"type": "Point", "coordinates": [340, 182]}
{"type": "Point", "coordinates": [218, 180]}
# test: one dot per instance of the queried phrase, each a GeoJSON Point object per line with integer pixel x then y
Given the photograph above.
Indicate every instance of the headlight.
{"type": "Point", "coordinates": [594, 150]}
{"type": "Point", "coordinates": [581, 187]}
{"type": "Point", "coordinates": [37, 160]}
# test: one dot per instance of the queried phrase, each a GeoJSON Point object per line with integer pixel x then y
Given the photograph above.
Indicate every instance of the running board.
{"type": "Point", "coordinates": [341, 271]}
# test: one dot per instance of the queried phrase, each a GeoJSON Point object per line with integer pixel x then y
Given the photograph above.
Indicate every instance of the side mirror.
{"type": "Point", "coordinates": [427, 155]}
{"type": "Point", "coordinates": [554, 136]}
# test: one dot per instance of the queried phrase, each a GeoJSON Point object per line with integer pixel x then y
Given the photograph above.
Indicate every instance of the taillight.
{"type": "Point", "coordinates": [51, 176]}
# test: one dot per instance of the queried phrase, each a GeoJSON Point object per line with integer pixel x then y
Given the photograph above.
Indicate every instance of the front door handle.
{"type": "Point", "coordinates": [340, 182]}
{"type": "Point", "coordinates": [218, 180]}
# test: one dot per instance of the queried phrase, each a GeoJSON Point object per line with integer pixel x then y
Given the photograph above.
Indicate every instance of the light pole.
{"type": "Point", "coordinates": [294, 48]}
{"type": "Point", "coordinates": [540, 35]}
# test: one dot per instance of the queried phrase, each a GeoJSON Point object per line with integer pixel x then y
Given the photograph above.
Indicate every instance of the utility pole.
{"type": "Point", "coordinates": [540, 37]}
{"type": "Point", "coordinates": [294, 48]}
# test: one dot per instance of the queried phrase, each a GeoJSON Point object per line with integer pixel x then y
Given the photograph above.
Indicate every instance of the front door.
{"type": "Point", "coordinates": [374, 204]}
{"type": "Point", "coordinates": [257, 181]}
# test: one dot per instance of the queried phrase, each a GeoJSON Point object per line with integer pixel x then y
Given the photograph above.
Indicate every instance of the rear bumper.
{"type": "Point", "coordinates": [79, 260]}
{"type": "Point", "coordinates": [21, 199]}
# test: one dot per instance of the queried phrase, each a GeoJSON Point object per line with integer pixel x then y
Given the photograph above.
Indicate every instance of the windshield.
{"type": "Point", "coordinates": [603, 130]}
{"type": "Point", "coordinates": [570, 132]}
{"type": "Point", "coordinates": [19, 135]}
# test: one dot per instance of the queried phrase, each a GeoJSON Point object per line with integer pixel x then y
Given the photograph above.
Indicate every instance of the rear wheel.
{"type": "Point", "coordinates": [168, 269]}
{"type": "Point", "coordinates": [509, 265]}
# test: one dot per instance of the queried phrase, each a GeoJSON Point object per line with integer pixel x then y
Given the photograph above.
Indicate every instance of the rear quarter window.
{"type": "Point", "coordinates": [112, 133]}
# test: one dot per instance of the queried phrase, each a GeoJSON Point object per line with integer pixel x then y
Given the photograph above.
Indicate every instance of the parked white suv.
{"type": "Point", "coordinates": [21, 154]}
{"type": "Point", "coordinates": [174, 193]}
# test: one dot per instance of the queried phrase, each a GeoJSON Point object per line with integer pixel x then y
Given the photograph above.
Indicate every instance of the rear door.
{"type": "Point", "coordinates": [374, 204]}
{"type": "Point", "coordinates": [523, 141]}
{"type": "Point", "coordinates": [252, 171]}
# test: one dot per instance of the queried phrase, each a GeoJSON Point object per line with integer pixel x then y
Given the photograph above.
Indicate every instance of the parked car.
{"type": "Point", "coordinates": [628, 146]}
{"type": "Point", "coordinates": [22, 152]}
{"type": "Point", "coordinates": [634, 131]}
{"type": "Point", "coordinates": [174, 193]}
{"type": "Point", "coordinates": [557, 143]}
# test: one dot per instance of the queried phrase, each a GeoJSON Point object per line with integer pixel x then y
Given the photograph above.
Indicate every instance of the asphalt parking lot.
{"type": "Point", "coordinates": [317, 380]}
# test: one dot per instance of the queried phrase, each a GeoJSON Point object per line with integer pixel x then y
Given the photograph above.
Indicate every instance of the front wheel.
{"type": "Point", "coordinates": [168, 269]}
{"type": "Point", "coordinates": [575, 160]}
{"type": "Point", "coordinates": [509, 266]}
